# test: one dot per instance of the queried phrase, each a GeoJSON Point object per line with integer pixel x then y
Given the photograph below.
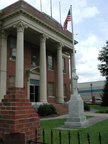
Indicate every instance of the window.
{"type": "Point", "coordinates": [63, 65]}
{"type": "Point", "coordinates": [13, 48]}
{"type": "Point", "coordinates": [50, 89]}
{"type": "Point", "coordinates": [34, 58]}
{"type": "Point", "coordinates": [11, 81]}
{"type": "Point", "coordinates": [50, 62]}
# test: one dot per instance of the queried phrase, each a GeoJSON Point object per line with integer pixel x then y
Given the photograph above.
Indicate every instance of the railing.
{"type": "Point", "coordinates": [69, 137]}
{"type": "Point", "coordinates": [60, 138]}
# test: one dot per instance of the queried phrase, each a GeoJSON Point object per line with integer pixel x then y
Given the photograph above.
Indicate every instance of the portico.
{"type": "Point", "coordinates": [31, 32]}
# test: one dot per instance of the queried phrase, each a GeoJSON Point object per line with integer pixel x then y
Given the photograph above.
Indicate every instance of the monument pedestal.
{"type": "Point", "coordinates": [76, 112]}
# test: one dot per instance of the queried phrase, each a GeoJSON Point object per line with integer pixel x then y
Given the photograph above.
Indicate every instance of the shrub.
{"type": "Point", "coordinates": [53, 109]}
{"type": "Point", "coordinates": [106, 111]}
{"type": "Point", "coordinates": [45, 110]}
{"type": "Point", "coordinates": [100, 111]}
{"type": "Point", "coordinates": [86, 107]}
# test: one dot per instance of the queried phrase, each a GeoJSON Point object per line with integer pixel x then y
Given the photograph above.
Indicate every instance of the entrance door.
{"type": "Point", "coordinates": [34, 93]}
{"type": "Point", "coordinates": [34, 90]}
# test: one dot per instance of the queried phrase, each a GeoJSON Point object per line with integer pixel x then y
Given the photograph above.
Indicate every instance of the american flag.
{"type": "Point", "coordinates": [68, 18]}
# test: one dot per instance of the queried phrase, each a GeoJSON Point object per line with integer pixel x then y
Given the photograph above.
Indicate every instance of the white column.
{"type": "Point", "coordinates": [60, 95]}
{"type": "Point", "coordinates": [19, 82]}
{"type": "Point", "coordinates": [43, 76]}
{"type": "Point", "coordinates": [3, 63]}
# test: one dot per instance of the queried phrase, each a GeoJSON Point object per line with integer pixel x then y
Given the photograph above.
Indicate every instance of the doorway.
{"type": "Point", "coordinates": [34, 91]}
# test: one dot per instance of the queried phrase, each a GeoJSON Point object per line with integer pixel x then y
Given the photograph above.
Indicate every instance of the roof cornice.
{"type": "Point", "coordinates": [21, 7]}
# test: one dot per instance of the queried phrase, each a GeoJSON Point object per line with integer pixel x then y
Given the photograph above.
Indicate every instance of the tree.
{"type": "Point", "coordinates": [103, 68]}
{"type": "Point", "coordinates": [105, 95]}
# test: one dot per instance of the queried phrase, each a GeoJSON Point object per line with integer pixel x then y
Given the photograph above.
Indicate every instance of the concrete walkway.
{"type": "Point", "coordinates": [97, 117]}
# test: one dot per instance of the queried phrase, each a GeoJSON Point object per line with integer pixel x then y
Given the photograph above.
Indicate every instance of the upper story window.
{"type": "Point", "coordinates": [63, 65]}
{"type": "Point", "coordinates": [34, 58]}
{"type": "Point", "coordinates": [13, 48]}
{"type": "Point", "coordinates": [50, 62]}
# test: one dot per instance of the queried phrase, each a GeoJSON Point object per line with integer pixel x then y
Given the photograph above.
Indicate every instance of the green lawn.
{"type": "Point", "coordinates": [98, 107]}
{"type": "Point", "coordinates": [92, 130]}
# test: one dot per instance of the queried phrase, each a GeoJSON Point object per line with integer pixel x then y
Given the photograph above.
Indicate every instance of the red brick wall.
{"type": "Point", "coordinates": [61, 109]}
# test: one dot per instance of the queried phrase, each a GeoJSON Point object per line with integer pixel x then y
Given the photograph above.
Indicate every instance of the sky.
{"type": "Point", "coordinates": [90, 24]}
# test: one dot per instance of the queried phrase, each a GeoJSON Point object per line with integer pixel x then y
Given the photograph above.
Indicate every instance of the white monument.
{"type": "Point", "coordinates": [76, 107]}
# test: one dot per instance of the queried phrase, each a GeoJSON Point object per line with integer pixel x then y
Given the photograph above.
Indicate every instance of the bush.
{"type": "Point", "coordinates": [86, 107]}
{"type": "Point", "coordinates": [106, 111]}
{"type": "Point", "coordinates": [100, 111]}
{"type": "Point", "coordinates": [45, 110]}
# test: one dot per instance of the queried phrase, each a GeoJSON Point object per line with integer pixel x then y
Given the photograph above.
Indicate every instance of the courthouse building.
{"type": "Point", "coordinates": [34, 54]}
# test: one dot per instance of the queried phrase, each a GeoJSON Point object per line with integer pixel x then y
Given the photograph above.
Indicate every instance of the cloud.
{"type": "Point", "coordinates": [90, 41]}
{"type": "Point", "coordinates": [90, 12]}
{"type": "Point", "coordinates": [85, 13]}
{"type": "Point", "coordinates": [104, 27]}
{"type": "Point", "coordinates": [86, 59]}
{"type": "Point", "coordinates": [5, 3]}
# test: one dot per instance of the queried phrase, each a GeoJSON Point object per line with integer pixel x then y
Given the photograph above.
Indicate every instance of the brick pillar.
{"type": "Point", "coordinates": [17, 116]}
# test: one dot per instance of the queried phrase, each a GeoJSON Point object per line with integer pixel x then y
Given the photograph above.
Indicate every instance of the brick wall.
{"type": "Point", "coordinates": [17, 115]}
{"type": "Point", "coordinates": [61, 109]}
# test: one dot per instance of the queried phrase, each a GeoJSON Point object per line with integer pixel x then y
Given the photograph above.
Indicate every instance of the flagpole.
{"type": "Point", "coordinates": [73, 63]}
{"type": "Point", "coordinates": [51, 7]}
{"type": "Point", "coordinates": [41, 5]}
{"type": "Point", "coordinates": [60, 11]}
{"type": "Point", "coordinates": [73, 66]}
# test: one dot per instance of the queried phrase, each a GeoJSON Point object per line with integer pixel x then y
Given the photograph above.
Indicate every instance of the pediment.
{"type": "Point", "coordinates": [34, 70]}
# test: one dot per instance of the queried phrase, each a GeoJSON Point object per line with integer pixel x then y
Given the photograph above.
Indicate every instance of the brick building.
{"type": "Point", "coordinates": [34, 54]}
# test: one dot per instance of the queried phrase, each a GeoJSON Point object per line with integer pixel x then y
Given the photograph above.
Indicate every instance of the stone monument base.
{"type": "Point", "coordinates": [76, 112]}
{"type": "Point", "coordinates": [76, 124]}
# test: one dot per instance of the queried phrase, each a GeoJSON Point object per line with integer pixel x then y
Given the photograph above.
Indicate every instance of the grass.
{"type": "Point", "coordinates": [99, 108]}
{"type": "Point", "coordinates": [92, 130]}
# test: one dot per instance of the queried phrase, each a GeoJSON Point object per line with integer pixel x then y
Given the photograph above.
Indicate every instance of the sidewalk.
{"type": "Point", "coordinates": [97, 117]}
